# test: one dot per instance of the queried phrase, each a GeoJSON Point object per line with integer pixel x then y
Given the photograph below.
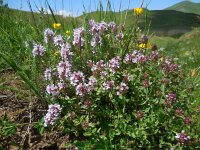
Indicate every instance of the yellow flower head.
{"type": "Point", "coordinates": [67, 32]}
{"type": "Point", "coordinates": [56, 25]}
{"type": "Point", "coordinates": [142, 45]}
{"type": "Point", "coordinates": [161, 59]}
{"type": "Point", "coordinates": [138, 11]}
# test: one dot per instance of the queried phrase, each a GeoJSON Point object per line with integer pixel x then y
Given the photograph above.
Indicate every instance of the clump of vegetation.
{"type": "Point", "coordinates": [106, 87]}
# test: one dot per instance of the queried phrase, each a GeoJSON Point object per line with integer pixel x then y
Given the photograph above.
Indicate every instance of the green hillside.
{"type": "Point", "coordinates": [162, 22]}
{"type": "Point", "coordinates": [187, 7]}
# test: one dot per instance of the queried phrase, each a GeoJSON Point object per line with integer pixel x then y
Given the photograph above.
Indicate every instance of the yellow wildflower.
{"type": "Point", "coordinates": [67, 32]}
{"type": "Point", "coordinates": [161, 59]}
{"type": "Point", "coordinates": [56, 25]}
{"type": "Point", "coordinates": [138, 11]}
{"type": "Point", "coordinates": [142, 45]}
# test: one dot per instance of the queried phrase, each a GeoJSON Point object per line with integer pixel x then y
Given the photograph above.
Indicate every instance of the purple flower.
{"type": "Point", "coordinates": [78, 36]}
{"type": "Point", "coordinates": [96, 40]}
{"type": "Point", "coordinates": [119, 36]}
{"type": "Point", "coordinates": [140, 58]}
{"type": "Point", "coordinates": [126, 78]}
{"type": "Point", "coordinates": [103, 74]}
{"type": "Point", "coordinates": [48, 36]}
{"type": "Point", "coordinates": [145, 83]}
{"type": "Point", "coordinates": [113, 64]}
{"type": "Point", "coordinates": [53, 90]}
{"type": "Point", "coordinates": [87, 103]}
{"type": "Point", "coordinates": [122, 88]}
{"type": "Point", "coordinates": [91, 22]}
{"type": "Point", "coordinates": [128, 59]}
{"type": "Point", "coordinates": [82, 89]}
{"type": "Point", "coordinates": [38, 50]}
{"type": "Point", "coordinates": [66, 51]}
{"type": "Point", "coordinates": [48, 74]}
{"type": "Point", "coordinates": [108, 85]}
{"type": "Point", "coordinates": [169, 67]}
{"type": "Point", "coordinates": [94, 29]}
{"type": "Point", "coordinates": [64, 70]}
{"type": "Point", "coordinates": [99, 66]}
{"type": "Point", "coordinates": [52, 114]}
{"type": "Point", "coordinates": [182, 137]}
{"type": "Point", "coordinates": [76, 78]}
{"type": "Point", "coordinates": [58, 40]}
{"type": "Point", "coordinates": [139, 114]}
{"type": "Point", "coordinates": [179, 111]}
{"type": "Point", "coordinates": [112, 26]}
{"type": "Point", "coordinates": [103, 26]}
{"type": "Point", "coordinates": [61, 86]}
{"type": "Point", "coordinates": [171, 97]}
{"type": "Point", "coordinates": [92, 82]}
{"type": "Point", "coordinates": [144, 39]}
{"type": "Point", "coordinates": [136, 57]}
{"type": "Point", "coordinates": [154, 55]}
{"type": "Point", "coordinates": [187, 120]}
{"type": "Point", "coordinates": [97, 28]}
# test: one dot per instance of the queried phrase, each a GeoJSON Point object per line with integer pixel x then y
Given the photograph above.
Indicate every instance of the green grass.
{"type": "Point", "coordinates": [187, 49]}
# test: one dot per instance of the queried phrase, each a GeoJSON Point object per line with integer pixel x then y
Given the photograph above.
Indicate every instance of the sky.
{"type": "Point", "coordinates": [76, 7]}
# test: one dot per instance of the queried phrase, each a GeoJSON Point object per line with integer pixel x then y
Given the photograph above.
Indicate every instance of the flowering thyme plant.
{"type": "Point", "coordinates": [108, 93]}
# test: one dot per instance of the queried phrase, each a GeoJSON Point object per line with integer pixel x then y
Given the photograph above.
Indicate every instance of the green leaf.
{"type": "Point", "coordinates": [23, 75]}
{"type": "Point", "coordinates": [87, 134]}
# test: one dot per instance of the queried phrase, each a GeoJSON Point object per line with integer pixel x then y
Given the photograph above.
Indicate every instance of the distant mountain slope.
{"type": "Point", "coordinates": [187, 7]}
{"type": "Point", "coordinates": [162, 22]}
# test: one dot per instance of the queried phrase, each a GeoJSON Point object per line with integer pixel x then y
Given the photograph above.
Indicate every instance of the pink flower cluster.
{"type": "Point", "coordinates": [135, 57]}
{"type": "Point", "coordinates": [122, 88]}
{"type": "Point", "coordinates": [38, 50]}
{"type": "Point", "coordinates": [113, 64]}
{"type": "Point", "coordinates": [58, 40]}
{"type": "Point", "coordinates": [98, 67]}
{"type": "Point", "coordinates": [169, 67]}
{"type": "Point", "coordinates": [48, 74]}
{"type": "Point", "coordinates": [78, 37]}
{"type": "Point", "coordinates": [76, 78]}
{"type": "Point", "coordinates": [108, 85]}
{"type": "Point", "coordinates": [53, 90]}
{"type": "Point", "coordinates": [48, 36]}
{"type": "Point", "coordinates": [96, 30]}
{"type": "Point", "coordinates": [82, 89]}
{"type": "Point", "coordinates": [64, 70]}
{"type": "Point", "coordinates": [182, 137]}
{"type": "Point", "coordinates": [66, 51]}
{"type": "Point", "coordinates": [113, 26]}
{"type": "Point", "coordinates": [171, 97]}
{"type": "Point", "coordinates": [154, 56]}
{"type": "Point", "coordinates": [52, 114]}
